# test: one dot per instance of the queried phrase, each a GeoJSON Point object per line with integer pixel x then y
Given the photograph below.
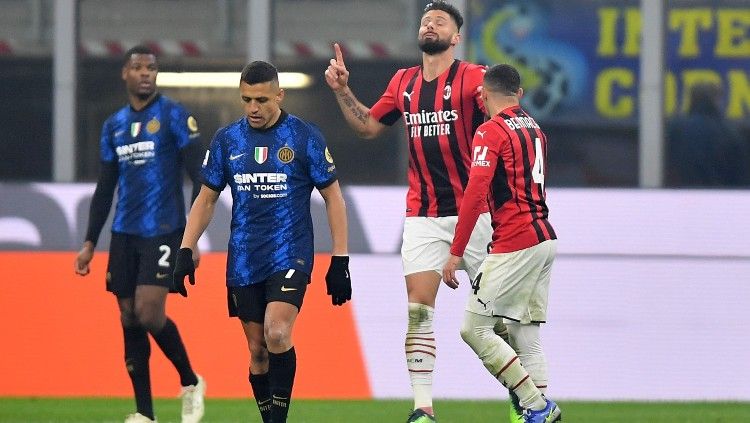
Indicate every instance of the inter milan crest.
{"type": "Point", "coordinates": [261, 154]}
{"type": "Point", "coordinates": [285, 154]}
{"type": "Point", "coordinates": [135, 129]}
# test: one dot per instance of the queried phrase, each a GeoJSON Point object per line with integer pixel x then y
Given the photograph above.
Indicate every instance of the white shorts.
{"type": "Point", "coordinates": [427, 243]}
{"type": "Point", "coordinates": [514, 285]}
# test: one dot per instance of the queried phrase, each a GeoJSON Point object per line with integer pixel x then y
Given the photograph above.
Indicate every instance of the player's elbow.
{"type": "Point", "coordinates": [368, 132]}
{"type": "Point", "coordinates": [367, 136]}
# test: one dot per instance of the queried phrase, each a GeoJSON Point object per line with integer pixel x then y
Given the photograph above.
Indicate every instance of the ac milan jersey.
{"type": "Point", "coordinates": [508, 168]}
{"type": "Point", "coordinates": [271, 174]}
{"type": "Point", "coordinates": [440, 116]}
{"type": "Point", "coordinates": [146, 145]}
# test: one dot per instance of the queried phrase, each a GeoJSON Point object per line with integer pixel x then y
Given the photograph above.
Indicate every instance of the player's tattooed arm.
{"type": "Point", "coordinates": [357, 115]}
{"type": "Point", "coordinates": [357, 110]}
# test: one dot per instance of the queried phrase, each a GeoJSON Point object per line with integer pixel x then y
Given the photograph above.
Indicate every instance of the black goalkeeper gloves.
{"type": "Point", "coordinates": [338, 282]}
{"type": "Point", "coordinates": [184, 266]}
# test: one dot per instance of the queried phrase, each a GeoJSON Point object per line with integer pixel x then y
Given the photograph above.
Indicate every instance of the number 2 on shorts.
{"type": "Point", "coordinates": [165, 252]}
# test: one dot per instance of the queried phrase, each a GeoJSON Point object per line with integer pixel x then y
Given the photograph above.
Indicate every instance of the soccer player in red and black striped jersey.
{"type": "Point", "coordinates": [508, 168]}
{"type": "Point", "coordinates": [441, 107]}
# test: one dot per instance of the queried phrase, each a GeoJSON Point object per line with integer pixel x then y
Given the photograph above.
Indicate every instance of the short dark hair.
{"type": "Point", "coordinates": [503, 79]}
{"type": "Point", "coordinates": [258, 72]}
{"type": "Point", "coordinates": [447, 8]}
{"type": "Point", "coordinates": [139, 49]}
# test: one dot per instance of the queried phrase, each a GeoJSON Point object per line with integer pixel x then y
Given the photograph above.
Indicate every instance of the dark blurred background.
{"type": "Point", "coordinates": [579, 62]}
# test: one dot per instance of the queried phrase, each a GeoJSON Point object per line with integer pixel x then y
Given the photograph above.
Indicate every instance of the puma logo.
{"type": "Point", "coordinates": [481, 133]}
{"type": "Point", "coordinates": [408, 95]}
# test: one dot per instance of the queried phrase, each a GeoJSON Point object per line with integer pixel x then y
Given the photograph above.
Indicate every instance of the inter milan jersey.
{"type": "Point", "coordinates": [271, 174]}
{"type": "Point", "coordinates": [508, 168]}
{"type": "Point", "coordinates": [441, 116]}
{"type": "Point", "coordinates": [146, 145]}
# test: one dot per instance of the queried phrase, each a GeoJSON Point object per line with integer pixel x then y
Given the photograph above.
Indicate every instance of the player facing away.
{"type": "Point", "coordinates": [144, 147]}
{"type": "Point", "coordinates": [508, 169]}
{"type": "Point", "coordinates": [271, 161]}
{"type": "Point", "coordinates": [441, 107]}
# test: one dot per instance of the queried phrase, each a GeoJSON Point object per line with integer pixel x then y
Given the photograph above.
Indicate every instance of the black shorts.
{"type": "Point", "coordinates": [249, 302]}
{"type": "Point", "coordinates": [135, 260]}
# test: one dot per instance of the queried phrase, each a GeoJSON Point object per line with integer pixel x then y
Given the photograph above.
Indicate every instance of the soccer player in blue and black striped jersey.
{"type": "Point", "coordinates": [144, 148]}
{"type": "Point", "coordinates": [271, 161]}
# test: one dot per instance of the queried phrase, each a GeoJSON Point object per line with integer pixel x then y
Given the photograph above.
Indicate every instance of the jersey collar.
{"type": "Point", "coordinates": [278, 122]}
{"type": "Point", "coordinates": [147, 105]}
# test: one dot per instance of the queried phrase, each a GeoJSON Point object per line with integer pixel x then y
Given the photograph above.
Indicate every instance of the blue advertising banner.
{"type": "Point", "coordinates": [579, 59]}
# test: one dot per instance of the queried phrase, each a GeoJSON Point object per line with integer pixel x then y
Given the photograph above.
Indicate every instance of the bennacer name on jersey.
{"type": "Point", "coordinates": [430, 124]}
{"type": "Point", "coordinates": [519, 122]}
{"type": "Point", "coordinates": [262, 185]}
{"type": "Point", "coordinates": [136, 153]}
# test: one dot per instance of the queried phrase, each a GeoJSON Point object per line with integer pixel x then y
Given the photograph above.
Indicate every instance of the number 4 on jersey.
{"type": "Point", "coordinates": [537, 172]}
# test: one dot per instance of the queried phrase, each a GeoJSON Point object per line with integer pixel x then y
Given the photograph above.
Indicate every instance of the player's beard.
{"type": "Point", "coordinates": [432, 47]}
{"type": "Point", "coordinates": [143, 96]}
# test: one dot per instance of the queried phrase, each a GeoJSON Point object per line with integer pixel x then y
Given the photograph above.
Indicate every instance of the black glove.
{"type": "Point", "coordinates": [338, 282]}
{"type": "Point", "coordinates": [184, 266]}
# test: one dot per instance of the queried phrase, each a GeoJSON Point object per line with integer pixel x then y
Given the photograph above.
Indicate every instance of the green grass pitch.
{"type": "Point", "coordinates": [100, 410]}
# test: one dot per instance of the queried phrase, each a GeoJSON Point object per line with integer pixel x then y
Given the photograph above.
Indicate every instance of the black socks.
{"type": "Point", "coordinates": [137, 353]}
{"type": "Point", "coordinates": [171, 344]}
{"type": "Point", "coordinates": [262, 394]}
{"type": "Point", "coordinates": [282, 368]}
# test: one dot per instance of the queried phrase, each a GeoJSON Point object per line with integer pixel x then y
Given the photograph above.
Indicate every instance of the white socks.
{"type": "Point", "coordinates": [500, 359]}
{"type": "Point", "coordinates": [526, 340]}
{"type": "Point", "coordinates": [420, 353]}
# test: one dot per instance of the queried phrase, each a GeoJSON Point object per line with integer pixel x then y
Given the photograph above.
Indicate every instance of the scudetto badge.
{"type": "Point", "coordinates": [261, 154]}
{"type": "Point", "coordinates": [135, 129]}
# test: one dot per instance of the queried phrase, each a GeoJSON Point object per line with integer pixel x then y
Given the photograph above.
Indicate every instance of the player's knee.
{"type": "Point", "coordinates": [420, 317]}
{"type": "Point", "coordinates": [128, 318]}
{"type": "Point", "coordinates": [486, 344]}
{"type": "Point", "coordinates": [277, 335]}
{"type": "Point", "coordinates": [467, 334]}
{"type": "Point", "coordinates": [151, 319]}
{"type": "Point", "coordinates": [475, 336]}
